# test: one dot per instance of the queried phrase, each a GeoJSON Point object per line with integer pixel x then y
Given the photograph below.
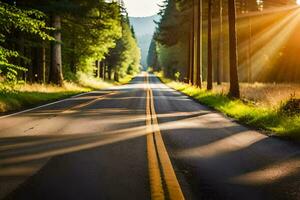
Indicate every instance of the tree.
{"type": "Point", "coordinates": [89, 36]}
{"type": "Point", "coordinates": [152, 59]}
{"type": "Point", "coordinates": [56, 76]}
{"type": "Point", "coordinates": [173, 46]}
{"type": "Point", "coordinates": [199, 44]}
{"type": "Point", "coordinates": [209, 48]}
{"type": "Point", "coordinates": [192, 76]}
{"type": "Point", "coordinates": [125, 57]}
{"type": "Point", "coordinates": [220, 44]}
{"type": "Point", "coordinates": [234, 90]}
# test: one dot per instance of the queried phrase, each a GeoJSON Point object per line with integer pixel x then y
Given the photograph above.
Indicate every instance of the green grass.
{"type": "Point", "coordinates": [266, 118]}
{"type": "Point", "coordinates": [26, 95]}
{"type": "Point", "coordinates": [10, 101]}
{"type": "Point", "coordinates": [125, 79]}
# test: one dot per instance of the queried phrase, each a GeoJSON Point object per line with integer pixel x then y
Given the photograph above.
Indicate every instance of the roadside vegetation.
{"type": "Point", "coordinates": [21, 96]}
{"type": "Point", "coordinates": [232, 56]}
{"type": "Point", "coordinates": [272, 110]}
{"type": "Point", "coordinates": [50, 50]}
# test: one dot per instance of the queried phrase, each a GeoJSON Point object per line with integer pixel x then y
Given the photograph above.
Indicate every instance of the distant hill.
{"type": "Point", "coordinates": [144, 28]}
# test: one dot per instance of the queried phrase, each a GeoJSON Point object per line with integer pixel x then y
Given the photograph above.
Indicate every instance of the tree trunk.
{"type": "Point", "coordinates": [209, 48]}
{"type": "Point", "coordinates": [29, 73]}
{"type": "Point", "coordinates": [193, 46]}
{"type": "Point", "coordinates": [38, 62]}
{"type": "Point", "coordinates": [21, 50]}
{"type": "Point", "coordinates": [189, 60]}
{"type": "Point", "coordinates": [116, 75]}
{"type": "Point", "coordinates": [42, 64]}
{"type": "Point", "coordinates": [190, 72]}
{"type": "Point", "coordinates": [104, 70]}
{"type": "Point", "coordinates": [109, 73]}
{"type": "Point", "coordinates": [249, 56]}
{"type": "Point", "coordinates": [97, 69]}
{"type": "Point", "coordinates": [199, 45]}
{"type": "Point", "coordinates": [35, 64]}
{"type": "Point", "coordinates": [55, 75]}
{"type": "Point", "coordinates": [220, 45]}
{"type": "Point", "coordinates": [73, 61]}
{"type": "Point", "coordinates": [101, 69]}
{"type": "Point", "coordinates": [234, 90]}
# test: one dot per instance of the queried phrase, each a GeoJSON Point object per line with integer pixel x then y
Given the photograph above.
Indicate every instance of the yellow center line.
{"type": "Point", "coordinates": [157, 192]}
{"type": "Point", "coordinates": [167, 174]}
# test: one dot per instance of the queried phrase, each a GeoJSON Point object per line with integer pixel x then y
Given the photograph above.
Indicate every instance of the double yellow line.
{"type": "Point", "coordinates": [163, 181]}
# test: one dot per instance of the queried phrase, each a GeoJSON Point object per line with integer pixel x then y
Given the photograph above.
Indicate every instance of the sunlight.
{"type": "Point", "coordinates": [298, 2]}
{"type": "Point", "coordinates": [238, 142]}
{"type": "Point", "coordinates": [270, 173]}
{"type": "Point", "coordinates": [274, 38]}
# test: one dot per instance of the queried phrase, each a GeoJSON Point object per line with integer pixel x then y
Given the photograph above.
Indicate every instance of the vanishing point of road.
{"type": "Point", "coordinates": [140, 141]}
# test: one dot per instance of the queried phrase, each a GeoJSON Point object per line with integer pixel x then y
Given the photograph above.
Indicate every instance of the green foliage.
{"type": "Point", "coordinates": [15, 19]}
{"type": "Point", "coordinates": [169, 51]}
{"type": "Point", "coordinates": [173, 59]}
{"type": "Point", "coordinates": [88, 81]}
{"type": "Point", "coordinates": [25, 20]}
{"type": "Point", "coordinates": [10, 70]}
{"type": "Point", "coordinates": [125, 57]}
{"type": "Point", "coordinates": [152, 58]}
{"type": "Point", "coordinates": [90, 35]}
{"type": "Point", "coordinates": [177, 76]}
{"type": "Point", "coordinates": [167, 32]}
{"type": "Point", "coordinates": [90, 31]}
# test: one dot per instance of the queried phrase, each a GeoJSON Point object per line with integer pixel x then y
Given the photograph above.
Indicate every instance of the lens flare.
{"type": "Point", "coordinates": [298, 2]}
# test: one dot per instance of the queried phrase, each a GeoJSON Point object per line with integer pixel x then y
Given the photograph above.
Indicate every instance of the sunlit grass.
{"type": "Point", "coordinates": [263, 94]}
{"type": "Point", "coordinates": [262, 112]}
{"type": "Point", "coordinates": [125, 79]}
{"type": "Point", "coordinates": [92, 83]}
{"type": "Point", "coordinates": [10, 101]}
{"type": "Point", "coordinates": [25, 95]}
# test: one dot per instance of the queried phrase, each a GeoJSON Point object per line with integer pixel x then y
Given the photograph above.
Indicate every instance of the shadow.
{"type": "Point", "coordinates": [38, 147]}
{"type": "Point", "coordinates": [98, 151]}
{"type": "Point", "coordinates": [220, 159]}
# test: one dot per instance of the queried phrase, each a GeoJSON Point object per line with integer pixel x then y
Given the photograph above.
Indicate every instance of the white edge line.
{"type": "Point", "coordinates": [45, 105]}
{"type": "Point", "coordinates": [49, 104]}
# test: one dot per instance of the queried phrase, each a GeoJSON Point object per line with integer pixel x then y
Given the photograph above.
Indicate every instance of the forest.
{"type": "Point", "coordinates": [63, 46]}
{"type": "Point", "coordinates": [240, 57]}
{"type": "Point", "coordinates": [237, 56]}
{"type": "Point", "coordinates": [149, 99]}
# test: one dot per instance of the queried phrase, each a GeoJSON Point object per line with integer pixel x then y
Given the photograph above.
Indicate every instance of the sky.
{"type": "Point", "coordinates": [142, 8]}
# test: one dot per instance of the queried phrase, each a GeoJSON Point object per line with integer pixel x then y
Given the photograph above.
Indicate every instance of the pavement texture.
{"type": "Point", "coordinates": [94, 146]}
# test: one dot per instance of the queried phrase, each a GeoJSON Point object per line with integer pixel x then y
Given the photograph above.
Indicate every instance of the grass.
{"type": "Point", "coordinates": [26, 95]}
{"type": "Point", "coordinates": [259, 106]}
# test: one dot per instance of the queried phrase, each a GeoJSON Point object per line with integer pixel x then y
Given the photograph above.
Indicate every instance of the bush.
{"type": "Point", "coordinates": [291, 107]}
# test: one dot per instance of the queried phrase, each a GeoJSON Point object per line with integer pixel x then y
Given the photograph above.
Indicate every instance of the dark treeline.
{"type": "Point", "coordinates": [49, 41]}
{"type": "Point", "coordinates": [199, 39]}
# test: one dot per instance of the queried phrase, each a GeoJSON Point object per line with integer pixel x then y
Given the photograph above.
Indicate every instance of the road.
{"type": "Point", "coordinates": [140, 141]}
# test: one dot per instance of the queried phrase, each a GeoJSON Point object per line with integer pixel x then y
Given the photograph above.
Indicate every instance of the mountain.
{"type": "Point", "coordinates": [144, 28]}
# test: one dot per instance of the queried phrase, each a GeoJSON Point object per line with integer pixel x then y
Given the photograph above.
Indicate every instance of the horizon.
{"type": "Point", "coordinates": [144, 8]}
{"type": "Point", "coordinates": [142, 16]}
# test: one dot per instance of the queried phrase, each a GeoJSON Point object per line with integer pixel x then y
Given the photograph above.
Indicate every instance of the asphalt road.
{"type": "Point", "coordinates": [96, 146]}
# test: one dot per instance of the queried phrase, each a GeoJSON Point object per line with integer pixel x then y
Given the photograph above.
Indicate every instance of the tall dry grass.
{"type": "Point", "coordinates": [265, 94]}
{"type": "Point", "coordinates": [21, 95]}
